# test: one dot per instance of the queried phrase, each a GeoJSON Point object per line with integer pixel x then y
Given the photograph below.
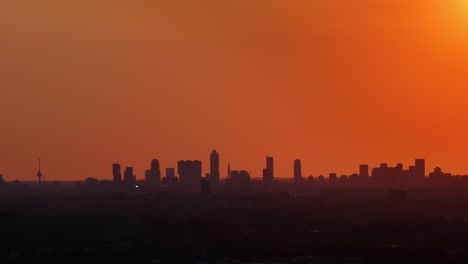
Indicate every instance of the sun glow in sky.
{"type": "Point", "coordinates": [334, 82]}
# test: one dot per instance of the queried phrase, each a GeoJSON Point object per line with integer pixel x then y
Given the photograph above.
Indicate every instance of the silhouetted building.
{"type": "Point", "coordinates": [363, 170]}
{"type": "Point", "coordinates": [386, 176]}
{"type": "Point", "coordinates": [321, 179]}
{"type": "Point", "coordinates": [354, 179]}
{"type": "Point", "coordinates": [155, 174]}
{"type": "Point", "coordinates": [439, 178]}
{"type": "Point", "coordinates": [116, 172]}
{"type": "Point", "coordinates": [91, 181]}
{"type": "Point", "coordinates": [148, 177]}
{"type": "Point", "coordinates": [240, 180]}
{"type": "Point", "coordinates": [268, 172]}
{"type": "Point", "coordinates": [190, 174]}
{"type": "Point", "coordinates": [129, 178]}
{"type": "Point", "coordinates": [420, 167]}
{"type": "Point", "coordinates": [343, 179]}
{"type": "Point", "coordinates": [298, 171]}
{"type": "Point", "coordinates": [170, 175]}
{"type": "Point", "coordinates": [170, 179]}
{"type": "Point", "coordinates": [214, 166]}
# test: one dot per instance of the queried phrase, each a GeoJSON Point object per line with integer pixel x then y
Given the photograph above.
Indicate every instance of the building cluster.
{"type": "Point", "coordinates": [190, 178]}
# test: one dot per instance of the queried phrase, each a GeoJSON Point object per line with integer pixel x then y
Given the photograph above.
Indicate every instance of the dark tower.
{"type": "Point", "coordinates": [214, 166]}
{"type": "Point", "coordinates": [364, 170]}
{"type": "Point", "coordinates": [190, 175]}
{"type": "Point", "coordinates": [116, 172]}
{"type": "Point", "coordinates": [155, 173]}
{"type": "Point", "coordinates": [39, 174]}
{"type": "Point", "coordinates": [129, 178]}
{"type": "Point", "coordinates": [268, 173]}
{"type": "Point", "coordinates": [420, 167]}
{"type": "Point", "coordinates": [297, 171]}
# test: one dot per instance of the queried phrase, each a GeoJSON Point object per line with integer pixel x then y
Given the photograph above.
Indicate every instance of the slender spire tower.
{"type": "Point", "coordinates": [39, 174]}
{"type": "Point", "coordinates": [229, 171]}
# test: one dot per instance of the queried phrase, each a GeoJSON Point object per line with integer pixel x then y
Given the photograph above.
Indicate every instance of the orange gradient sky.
{"type": "Point", "coordinates": [334, 82]}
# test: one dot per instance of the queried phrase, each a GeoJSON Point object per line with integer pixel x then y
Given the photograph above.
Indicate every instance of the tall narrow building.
{"type": "Point", "coordinates": [297, 171]}
{"type": "Point", "coordinates": [129, 178]}
{"type": "Point", "coordinates": [155, 174]}
{"type": "Point", "coordinates": [268, 172]}
{"type": "Point", "coordinates": [116, 172]}
{"type": "Point", "coordinates": [214, 166]}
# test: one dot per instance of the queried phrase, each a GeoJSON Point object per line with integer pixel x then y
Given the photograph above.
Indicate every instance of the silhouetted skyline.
{"type": "Point", "coordinates": [190, 179]}
{"type": "Point", "coordinates": [334, 83]}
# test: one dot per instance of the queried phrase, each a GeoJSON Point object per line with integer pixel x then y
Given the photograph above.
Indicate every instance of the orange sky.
{"type": "Point", "coordinates": [334, 82]}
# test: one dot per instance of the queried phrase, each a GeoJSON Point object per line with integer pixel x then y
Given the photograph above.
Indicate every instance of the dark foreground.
{"type": "Point", "coordinates": [337, 226]}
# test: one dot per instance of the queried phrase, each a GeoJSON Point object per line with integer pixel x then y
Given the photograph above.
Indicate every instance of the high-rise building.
{"type": "Point", "coordinates": [190, 175]}
{"type": "Point", "coordinates": [129, 178]}
{"type": "Point", "coordinates": [214, 166]}
{"type": "Point", "coordinates": [420, 168]}
{"type": "Point", "coordinates": [363, 170]}
{"type": "Point", "coordinates": [297, 171]}
{"type": "Point", "coordinates": [268, 172]}
{"type": "Point", "coordinates": [148, 177]}
{"type": "Point", "coordinates": [155, 173]}
{"type": "Point", "coordinates": [116, 172]}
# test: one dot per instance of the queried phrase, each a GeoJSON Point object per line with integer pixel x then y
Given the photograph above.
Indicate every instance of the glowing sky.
{"type": "Point", "coordinates": [334, 82]}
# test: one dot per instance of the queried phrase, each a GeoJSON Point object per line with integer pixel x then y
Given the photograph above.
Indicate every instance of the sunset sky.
{"type": "Point", "coordinates": [336, 83]}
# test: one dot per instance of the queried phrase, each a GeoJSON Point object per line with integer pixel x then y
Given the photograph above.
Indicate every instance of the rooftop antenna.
{"type": "Point", "coordinates": [39, 174]}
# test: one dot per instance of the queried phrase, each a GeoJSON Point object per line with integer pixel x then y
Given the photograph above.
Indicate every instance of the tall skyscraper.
{"type": "Point", "coordinates": [363, 170]}
{"type": "Point", "coordinates": [116, 172]}
{"type": "Point", "coordinates": [190, 175]}
{"type": "Point", "coordinates": [297, 170]}
{"type": "Point", "coordinates": [420, 168]}
{"type": "Point", "coordinates": [268, 172]}
{"type": "Point", "coordinates": [214, 166]}
{"type": "Point", "coordinates": [155, 174]}
{"type": "Point", "coordinates": [129, 178]}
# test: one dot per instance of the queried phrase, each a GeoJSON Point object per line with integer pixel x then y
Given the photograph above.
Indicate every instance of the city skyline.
{"type": "Point", "coordinates": [246, 131]}
{"type": "Point", "coordinates": [336, 83]}
{"type": "Point", "coordinates": [240, 181]}
{"type": "Point", "coordinates": [154, 172]}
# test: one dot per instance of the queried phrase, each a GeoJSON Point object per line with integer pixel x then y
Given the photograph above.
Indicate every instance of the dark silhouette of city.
{"type": "Point", "coordinates": [386, 214]}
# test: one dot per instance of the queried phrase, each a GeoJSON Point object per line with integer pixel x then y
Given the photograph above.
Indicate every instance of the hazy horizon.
{"type": "Point", "coordinates": [335, 83]}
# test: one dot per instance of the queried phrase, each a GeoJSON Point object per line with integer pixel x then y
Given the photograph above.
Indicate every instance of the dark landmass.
{"type": "Point", "coordinates": [80, 225]}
